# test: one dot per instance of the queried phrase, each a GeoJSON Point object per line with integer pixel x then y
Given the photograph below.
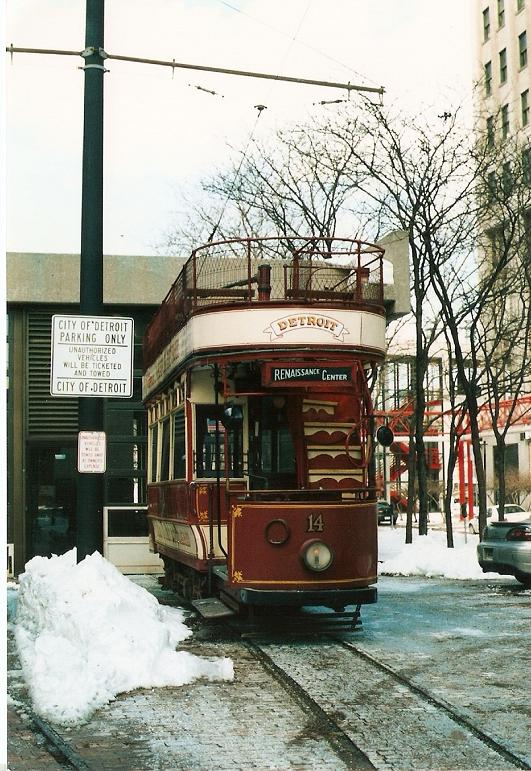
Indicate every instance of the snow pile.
{"type": "Point", "coordinates": [86, 633]}
{"type": "Point", "coordinates": [428, 555]}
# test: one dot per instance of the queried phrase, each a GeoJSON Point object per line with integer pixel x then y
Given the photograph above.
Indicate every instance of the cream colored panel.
{"type": "Point", "coordinates": [262, 327]}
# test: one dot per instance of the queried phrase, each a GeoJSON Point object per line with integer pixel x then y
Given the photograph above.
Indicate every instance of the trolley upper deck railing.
{"type": "Point", "coordinates": [301, 270]}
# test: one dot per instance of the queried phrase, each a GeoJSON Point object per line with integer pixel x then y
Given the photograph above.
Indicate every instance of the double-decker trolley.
{"type": "Point", "coordinates": [261, 487]}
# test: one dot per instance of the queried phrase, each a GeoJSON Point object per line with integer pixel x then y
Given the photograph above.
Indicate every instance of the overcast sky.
{"type": "Point", "coordinates": [162, 133]}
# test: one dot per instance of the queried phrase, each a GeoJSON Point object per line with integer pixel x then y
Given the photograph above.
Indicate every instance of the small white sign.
{"type": "Point", "coordinates": [92, 356]}
{"type": "Point", "coordinates": [91, 452]}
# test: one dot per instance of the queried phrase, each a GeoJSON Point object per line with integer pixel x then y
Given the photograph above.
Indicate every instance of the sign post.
{"type": "Point", "coordinates": [89, 524]}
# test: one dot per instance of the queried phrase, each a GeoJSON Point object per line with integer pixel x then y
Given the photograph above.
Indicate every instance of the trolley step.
{"type": "Point", "coordinates": [211, 607]}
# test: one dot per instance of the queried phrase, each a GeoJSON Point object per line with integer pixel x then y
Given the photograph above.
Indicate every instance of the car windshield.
{"type": "Point", "coordinates": [513, 509]}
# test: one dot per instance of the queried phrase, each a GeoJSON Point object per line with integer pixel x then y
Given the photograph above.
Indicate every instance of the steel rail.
{"type": "Point", "coordinates": [346, 749]}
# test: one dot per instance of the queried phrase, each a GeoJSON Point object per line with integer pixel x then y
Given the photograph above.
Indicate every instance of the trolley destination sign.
{"type": "Point", "coordinates": [296, 374]}
{"type": "Point", "coordinates": [92, 356]}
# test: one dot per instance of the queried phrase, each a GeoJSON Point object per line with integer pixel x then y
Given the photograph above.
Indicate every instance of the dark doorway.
{"type": "Point", "coordinates": [51, 499]}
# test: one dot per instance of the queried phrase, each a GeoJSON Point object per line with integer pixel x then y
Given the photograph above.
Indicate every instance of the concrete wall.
{"type": "Point", "coordinates": [396, 245]}
{"type": "Point", "coordinates": [139, 280]}
{"type": "Point", "coordinates": [54, 278]}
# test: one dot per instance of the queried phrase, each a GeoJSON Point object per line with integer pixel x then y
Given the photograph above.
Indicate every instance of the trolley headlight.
{"type": "Point", "coordinates": [317, 556]}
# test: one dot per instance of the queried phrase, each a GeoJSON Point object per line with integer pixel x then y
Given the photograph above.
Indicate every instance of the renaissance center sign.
{"type": "Point", "coordinates": [92, 356]}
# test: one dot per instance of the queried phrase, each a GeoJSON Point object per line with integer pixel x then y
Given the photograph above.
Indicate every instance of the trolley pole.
{"type": "Point", "coordinates": [90, 486]}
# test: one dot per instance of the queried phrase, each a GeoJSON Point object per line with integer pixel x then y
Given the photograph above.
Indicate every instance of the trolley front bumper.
{"type": "Point", "coordinates": [330, 598]}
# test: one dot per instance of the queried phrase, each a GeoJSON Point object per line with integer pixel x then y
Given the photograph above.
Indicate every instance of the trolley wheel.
{"type": "Point", "coordinates": [186, 582]}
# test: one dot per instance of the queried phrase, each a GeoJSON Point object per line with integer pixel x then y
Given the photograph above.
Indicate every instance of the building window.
{"type": "Point", "coordinates": [490, 131]}
{"type": "Point", "coordinates": [522, 49]}
{"type": "Point", "coordinates": [505, 121]}
{"type": "Point", "coordinates": [488, 79]}
{"type": "Point", "coordinates": [527, 231]}
{"type": "Point", "coordinates": [503, 66]}
{"type": "Point", "coordinates": [507, 179]}
{"type": "Point", "coordinates": [520, 5]}
{"type": "Point", "coordinates": [498, 242]}
{"type": "Point", "coordinates": [486, 24]}
{"type": "Point", "coordinates": [525, 107]}
{"type": "Point", "coordinates": [491, 186]}
{"type": "Point", "coordinates": [526, 166]}
{"type": "Point", "coordinates": [501, 13]}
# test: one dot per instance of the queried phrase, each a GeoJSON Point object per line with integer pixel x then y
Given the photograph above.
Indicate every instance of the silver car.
{"type": "Point", "coordinates": [512, 512]}
{"type": "Point", "coordinates": [506, 549]}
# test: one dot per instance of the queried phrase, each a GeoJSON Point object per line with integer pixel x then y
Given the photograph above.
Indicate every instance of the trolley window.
{"type": "Point", "coordinates": [213, 432]}
{"type": "Point", "coordinates": [272, 456]}
{"type": "Point", "coordinates": [165, 450]}
{"type": "Point", "coordinates": [154, 433]}
{"type": "Point", "coordinates": [179, 446]}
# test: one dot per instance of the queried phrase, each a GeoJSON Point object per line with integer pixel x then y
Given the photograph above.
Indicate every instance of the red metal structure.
{"type": "Point", "coordinates": [261, 486]}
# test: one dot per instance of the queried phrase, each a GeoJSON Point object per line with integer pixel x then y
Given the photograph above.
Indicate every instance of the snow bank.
{"type": "Point", "coordinates": [85, 633]}
{"type": "Point", "coordinates": [428, 556]}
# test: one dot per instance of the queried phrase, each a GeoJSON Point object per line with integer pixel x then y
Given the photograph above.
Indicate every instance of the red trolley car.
{"type": "Point", "coordinates": [257, 373]}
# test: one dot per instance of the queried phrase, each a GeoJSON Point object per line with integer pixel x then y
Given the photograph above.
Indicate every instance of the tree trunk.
{"type": "Point", "coordinates": [450, 468]}
{"type": "Point", "coordinates": [411, 469]}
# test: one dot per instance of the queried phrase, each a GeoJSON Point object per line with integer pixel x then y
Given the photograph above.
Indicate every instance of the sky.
{"type": "Point", "coordinates": [163, 132]}
{"type": "Point", "coordinates": [69, 621]}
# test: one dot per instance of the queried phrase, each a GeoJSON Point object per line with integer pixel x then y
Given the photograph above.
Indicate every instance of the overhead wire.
{"type": "Point", "coordinates": [260, 108]}
{"type": "Point", "coordinates": [303, 43]}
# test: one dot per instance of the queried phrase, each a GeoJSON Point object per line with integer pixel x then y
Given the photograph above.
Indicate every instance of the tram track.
{"type": "Point", "coordinates": [441, 704]}
{"type": "Point", "coordinates": [53, 744]}
{"type": "Point", "coordinates": [342, 744]}
{"type": "Point", "coordinates": [61, 750]}
{"type": "Point", "coordinates": [375, 713]}
{"type": "Point", "coordinates": [369, 715]}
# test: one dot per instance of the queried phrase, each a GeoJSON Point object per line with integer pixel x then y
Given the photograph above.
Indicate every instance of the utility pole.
{"type": "Point", "coordinates": [90, 486]}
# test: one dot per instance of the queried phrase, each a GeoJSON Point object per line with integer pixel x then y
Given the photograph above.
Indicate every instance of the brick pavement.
{"type": "Point", "coordinates": [207, 726]}
{"type": "Point", "coordinates": [27, 750]}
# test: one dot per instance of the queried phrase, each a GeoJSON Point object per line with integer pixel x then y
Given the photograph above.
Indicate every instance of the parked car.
{"type": "Point", "coordinates": [513, 512]}
{"type": "Point", "coordinates": [506, 549]}
{"type": "Point", "coordinates": [386, 513]}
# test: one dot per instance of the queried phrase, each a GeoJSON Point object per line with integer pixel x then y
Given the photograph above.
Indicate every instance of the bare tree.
{"type": "Point", "coordinates": [430, 181]}
{"type": "Point", "coordinates": [293, 184]}
{"type": "Point", "coordinates": [369, 172]}
{"type": "Point", "coordinates": [419, 177]}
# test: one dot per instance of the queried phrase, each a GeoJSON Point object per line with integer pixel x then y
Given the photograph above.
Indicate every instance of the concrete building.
{"type": "Point", "coordinates": [502, 29]}
{"type": "Point", "coordinates": [503, 121]}
{"type": "Point", "coordinates": [42, 430]}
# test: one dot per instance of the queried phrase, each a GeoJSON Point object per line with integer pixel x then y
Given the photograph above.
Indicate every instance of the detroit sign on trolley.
{"type": "Point", "coordinates": [92, 356]}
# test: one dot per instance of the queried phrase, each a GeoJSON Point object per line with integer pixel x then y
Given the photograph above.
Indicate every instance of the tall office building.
{"type": "Point", "coordinates": [502, 30]}
{"type": "Point", "coordinates": [503, 124]}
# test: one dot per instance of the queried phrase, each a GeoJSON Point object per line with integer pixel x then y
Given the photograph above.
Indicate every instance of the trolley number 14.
{"type": "Point", "coordinates": [315, 523]}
